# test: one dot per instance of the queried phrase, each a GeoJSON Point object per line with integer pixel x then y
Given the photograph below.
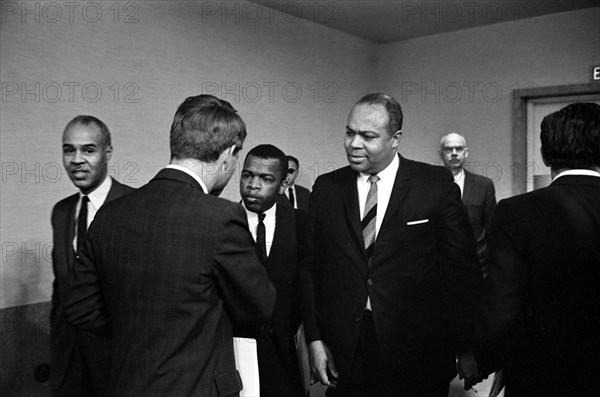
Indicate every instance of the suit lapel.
{"type": "Point", "coordinates": [399, 191]}
{"type": "Point", "coordinates": [69, 224]}
{"type": "Point", "coordinates": [284, 224]}
{"type": "Point", "coordinates": [351, 207]}
{"type": "Point", "coordinates": [467, 187]}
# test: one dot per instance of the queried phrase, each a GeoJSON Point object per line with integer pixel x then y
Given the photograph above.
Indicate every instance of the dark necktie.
{"type": "Point", "coordinates": [369, 220]}
{"type": "Point", "coordinates": [292, 200]}
{"type": "Point", "coordinates": [261, 238]}
{"type": "Point", "coordinates": [82, 222]}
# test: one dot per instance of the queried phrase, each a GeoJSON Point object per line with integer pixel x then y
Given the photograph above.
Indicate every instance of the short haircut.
{"type": "Point", "coordinates": [393, 108]}
{"type": "Point", "coordinates": [451, 133]}
{"type": "Point", "coordinates": [86, 120]}
{"type": "Point", "coordinates": [292, 158]}
{"type": "Point", "coordinates": [203, 127]}
{"type": "Point", "coordinates": [571, 137]}
{"type": "Point", "coordinates": [267, 151]}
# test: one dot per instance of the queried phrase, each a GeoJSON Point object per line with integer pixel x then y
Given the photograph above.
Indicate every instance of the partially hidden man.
{"type": "Point", "coordinates": [79, 361]}
{"type": "Point", "coordinates": [171, 270]}
{"type": "Point", "coordinates": [391, 274]}
{"type": "Point", "coordinates": [276, 228]}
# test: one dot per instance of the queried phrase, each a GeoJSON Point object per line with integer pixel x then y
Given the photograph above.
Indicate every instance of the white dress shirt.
{"type": "Point", "coordinates": [269, 222]}
{"type": "Point", "coordinates": [287, 194]}
{"type": "Point", "coordinates": [577, 172]}
{"type": "Point", "coordinates": [97, 198]}
{"type": "Point", "coordinates": [387, 177]}
{"type": "Point", "coordinates": [459, 179]}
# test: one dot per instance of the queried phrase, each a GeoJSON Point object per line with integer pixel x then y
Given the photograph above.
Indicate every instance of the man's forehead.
{"type": "Point", "coordinates": [261, 164]}
{"type": "Point", "coordinates": [83, 133]}
{"type": "Point", "coordinates": [454, 140]}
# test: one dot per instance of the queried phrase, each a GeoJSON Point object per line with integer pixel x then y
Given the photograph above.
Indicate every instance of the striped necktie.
{"type": "Point", "coordinates": [369, 220]}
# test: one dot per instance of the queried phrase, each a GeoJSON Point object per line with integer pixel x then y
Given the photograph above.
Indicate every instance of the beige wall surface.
{"type": "Point", "coordinates": [131, 64]}
{"type": "Point", "coordinates": [463, 81]}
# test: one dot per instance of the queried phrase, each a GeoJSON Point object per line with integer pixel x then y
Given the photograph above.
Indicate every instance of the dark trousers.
{"type": "Point", "coordinates": [371, 377]}
{"type": "Point", "coordinates": [276, 378]}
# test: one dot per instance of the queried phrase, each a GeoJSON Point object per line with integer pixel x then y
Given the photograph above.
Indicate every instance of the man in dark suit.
{"type": "Point", "coordinates": [478, 194]}
{"type": "Point", "coordinates": [80, 361]}
{"type": "Point", "coordinates": [296, 194]}
{"type": "Point", "coordinates": [273, 224]}
{"type": "Point", "coordinates": [170, 270]}
{"type": "Point", "coordinates": [541, 301]}
{"type": "Point", "coordinates": [391, 274]}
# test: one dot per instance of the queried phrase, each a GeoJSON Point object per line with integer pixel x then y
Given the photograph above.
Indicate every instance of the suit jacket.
{"type": "Point", "coordinates": [479, 197]}
{"type": "Point", "coordinates": [302, 195]}
{"type": "Point", "coordinates": [64, 338]}
{"type": "Point", "coordinates": [281, 265]}
{"type": "Point", "coordinates": [541, 297]}
{"type": "Point", "coordinates": [424, 279]}
{"type": "Point", "coordinates": [169, 271]}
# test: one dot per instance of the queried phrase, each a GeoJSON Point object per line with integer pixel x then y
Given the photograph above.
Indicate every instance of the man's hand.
{"type": "Point", "coordinates": [468, 370]}
{"type": "Point", "coordinates": [321, 364]}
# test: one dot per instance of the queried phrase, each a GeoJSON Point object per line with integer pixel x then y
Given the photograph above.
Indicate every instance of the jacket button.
{"type": "Point", "coordinates": [369, 282]}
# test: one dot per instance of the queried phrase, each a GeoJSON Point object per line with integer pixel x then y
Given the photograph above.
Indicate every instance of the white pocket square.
{"type": "Point", "coordinates": [417, 222]}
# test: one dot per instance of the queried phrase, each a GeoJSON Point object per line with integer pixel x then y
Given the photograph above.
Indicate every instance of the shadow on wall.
{"type": "Point", "coordinates": [24, 338]}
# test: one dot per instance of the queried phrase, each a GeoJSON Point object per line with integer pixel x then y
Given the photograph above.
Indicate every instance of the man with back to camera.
{"type": "Point", "coordinates": [79, 361]}
{"type": "Point", "coordinates": [171, 270]}
{"type": "Point", "coordinates": [296, 194]}
{"type": "Point", "coordinates": [391, 274]}
{"type": "Point", "coordinates": [478, 194]}
{"type": "Point", "coordinates": [274, 226]}
{"type": "Point", "coordinates": [541, 301]}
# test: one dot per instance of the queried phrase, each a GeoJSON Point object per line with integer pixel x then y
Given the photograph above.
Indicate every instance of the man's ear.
{"type": "Point", "coordinates": [396, 138]}
{"type": "Point", "coordinates": [282, 187]}
{"type": "Point", "coordinates": [228, 155]}
{"type": "Point", "coordinates": [466, 152]}
{"type": "Point", "coordinates": [108, 152]}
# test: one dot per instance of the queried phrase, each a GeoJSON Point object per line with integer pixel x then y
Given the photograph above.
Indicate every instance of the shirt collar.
{"type": "Point", "coordinates": [387, 175]}
{"type": "Point", "coordinates": [190, 173]}
{"type": "Point", "coordinates": [577, 172]}
{"type": "Point", "coordinates": [269, 214]}
{"type": "Point", "coordinates": [460, 176]}
{"type": "Point", "coordinates": [98, 195]}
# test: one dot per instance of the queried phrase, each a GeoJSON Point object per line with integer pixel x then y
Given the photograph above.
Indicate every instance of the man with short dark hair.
{"type": "Point", "coordinates": [79, 361]}
{"type": "Point", "coordinates": [477, 191]}
{"type": "Point", "coordinates": [171, 270]}
{"type": "Point", "coordinates": [274, 224]}
{"type": "Point", "coordinates": [296, 194]}
{"type": "Point", "coordinates": [391, 275]}
{"type": "Point", "coordinates": [541, 302]}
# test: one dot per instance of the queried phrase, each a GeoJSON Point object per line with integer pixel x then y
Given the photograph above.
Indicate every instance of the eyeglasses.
{"type": "Point", "coordinates": [291, 170]}
{"type": "Point", "coordinates": [450, 149]}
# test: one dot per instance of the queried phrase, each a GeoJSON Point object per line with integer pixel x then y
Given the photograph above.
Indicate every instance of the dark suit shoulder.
{"type": "Point", "coordinates": [64, 206]}
{"type": "Point", "coordinates": [424, 172]}
{"type": "Point", "coordinates": [478, 179]}
{"type": "Point", "coordinates": [121, 188]}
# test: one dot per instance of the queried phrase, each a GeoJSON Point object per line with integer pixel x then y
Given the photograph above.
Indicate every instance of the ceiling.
{"type": "Point", "coordinates": [384, 21]}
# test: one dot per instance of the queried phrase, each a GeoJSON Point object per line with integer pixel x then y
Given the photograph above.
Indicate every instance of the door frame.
{"type": "Point", "coordinates": [521, 97]}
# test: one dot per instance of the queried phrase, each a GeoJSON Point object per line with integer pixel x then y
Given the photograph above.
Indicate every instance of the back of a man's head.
{"type": "Point", "coordinates": [571, 137]}
{"type": "Point", "coordinates": [203, 127]}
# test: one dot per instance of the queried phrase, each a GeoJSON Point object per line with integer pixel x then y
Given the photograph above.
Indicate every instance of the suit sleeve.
{"type": "Point", "coordinates": [84, 303]}
{"type": "Point", "coordinates": [504, 292]}
{"type": "Point", "coordinates": [243, 282]}
{"type": "Point", "coordinates": [460, 269]}
{"type": "Point", "coordinates": [309, 272]}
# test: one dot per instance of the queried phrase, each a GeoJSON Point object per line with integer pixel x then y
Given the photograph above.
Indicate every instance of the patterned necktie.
{"type": "Point", "coordinates": [261, 239]}
{"type": "Point", "coordinates": [82, 222]}
{"type": "Point", "coordinates": [292, 200]}
{"type": "Point", "coordinates": [370, 217]}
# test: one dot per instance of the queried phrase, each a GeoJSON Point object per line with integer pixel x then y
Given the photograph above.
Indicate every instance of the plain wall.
{"type": "Point", "coordinates": [463, 81]}
{"type": "Point", "coordinates": [283, 75]}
